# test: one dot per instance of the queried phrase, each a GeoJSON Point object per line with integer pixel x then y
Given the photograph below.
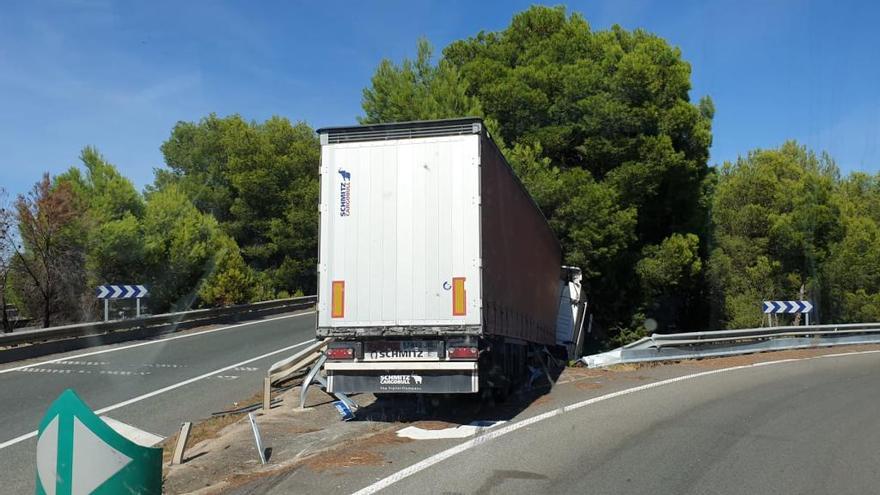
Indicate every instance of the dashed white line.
{"type": "Point", "coordinates": [152, 342]}
{"type": "Point", "coordinates": [169, 388]}
{"type": "Point", "coordinates": [85, 372]}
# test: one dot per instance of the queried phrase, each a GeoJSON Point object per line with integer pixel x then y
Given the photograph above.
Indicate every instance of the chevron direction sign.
{"type": "Point", "coordinates": [78, 453]}
{"type": "Point", "coordinates": [121, 291]}
{"type": "Point", "coordinates": [787, 307]}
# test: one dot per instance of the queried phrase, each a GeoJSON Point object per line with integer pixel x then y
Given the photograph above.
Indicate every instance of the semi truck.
{"type": "Point", "coordinates": [437, 271]}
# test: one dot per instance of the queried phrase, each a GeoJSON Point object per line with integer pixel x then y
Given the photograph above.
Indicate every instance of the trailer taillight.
{"type": "Point", "coordinates": [340, 353]}
{"type": "Point", "coordinates": [463, 353]}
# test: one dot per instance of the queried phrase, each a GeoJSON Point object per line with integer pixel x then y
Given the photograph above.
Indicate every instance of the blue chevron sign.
{"type": "Point", "coordinates": [787, 307]}
{"type": "Point", "coordinates": [121, 291]}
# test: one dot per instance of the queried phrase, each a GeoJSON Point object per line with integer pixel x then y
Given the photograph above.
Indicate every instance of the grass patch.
{"type": "Point", "coordinates": [201, 431]}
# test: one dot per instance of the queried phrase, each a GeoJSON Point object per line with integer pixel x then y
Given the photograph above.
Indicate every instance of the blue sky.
{"type": "Point", "coordinates": [118, 75]}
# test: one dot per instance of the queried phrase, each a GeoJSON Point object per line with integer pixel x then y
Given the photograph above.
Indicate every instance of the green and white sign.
{"type": "Point", "coordinates": [79, 454]}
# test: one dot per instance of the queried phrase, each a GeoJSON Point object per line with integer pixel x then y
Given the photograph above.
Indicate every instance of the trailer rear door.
{"type": "Point", "coordinates": [400, 233]}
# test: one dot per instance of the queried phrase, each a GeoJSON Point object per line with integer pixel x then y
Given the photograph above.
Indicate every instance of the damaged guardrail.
{"type": "Point", "coordinates": [288, 367]}
{"type": "Point", "coordinates": [309, 360]}
{"type": "Point", "coordinates": [695, 345]}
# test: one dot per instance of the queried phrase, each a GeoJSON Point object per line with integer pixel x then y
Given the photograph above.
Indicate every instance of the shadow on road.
{"type": "Point", "coordinates": [456, 408]}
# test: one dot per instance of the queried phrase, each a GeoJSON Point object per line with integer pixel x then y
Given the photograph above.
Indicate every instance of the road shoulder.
{"type": "Point", "coordinates": [313, 451]}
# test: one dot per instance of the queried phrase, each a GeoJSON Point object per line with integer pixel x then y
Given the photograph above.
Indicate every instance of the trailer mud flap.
{"type": "Point", "coordinates": [403, 381]}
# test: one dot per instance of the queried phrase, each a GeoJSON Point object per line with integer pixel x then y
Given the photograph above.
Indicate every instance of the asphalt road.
{"type": "Point", "coordinates": [806, 427]}
{"type": "Point", "coordinates": [152, 385]}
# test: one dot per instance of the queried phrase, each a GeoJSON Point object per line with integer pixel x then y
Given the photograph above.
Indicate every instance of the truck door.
{"type": "Point", "coordinates": [400, 233]}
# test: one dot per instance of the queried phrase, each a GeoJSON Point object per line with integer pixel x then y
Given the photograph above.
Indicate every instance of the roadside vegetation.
{"type": "Point", "coordinates": [602, 129]}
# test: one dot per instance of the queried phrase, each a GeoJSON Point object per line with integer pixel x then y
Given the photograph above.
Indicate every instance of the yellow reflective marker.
{"type": "Point", "coordinates": [459, 305]}
{"type": "Point", "coordinates": [338, 300]}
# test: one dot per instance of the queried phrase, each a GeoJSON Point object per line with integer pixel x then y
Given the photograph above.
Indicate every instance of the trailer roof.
{"type": "Point", "coordinates": [402, 130]}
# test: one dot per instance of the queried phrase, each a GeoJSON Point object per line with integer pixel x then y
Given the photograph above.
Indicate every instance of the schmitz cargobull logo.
{"type": "Point", "coordinates": [408, 379]}
{"type": "Point", "coordinates": [345, 194]}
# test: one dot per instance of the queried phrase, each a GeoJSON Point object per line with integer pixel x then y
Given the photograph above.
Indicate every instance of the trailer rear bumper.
{"type": "Point", "coordinates": [403, 377]}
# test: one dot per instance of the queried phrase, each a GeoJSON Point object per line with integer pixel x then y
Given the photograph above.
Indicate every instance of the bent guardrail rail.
{"type": "Point", "coordinates": [154, 324]}
{"type": "Point", "coordinates": [673, 347]}
{"type": "Point", "coordinates": [287, 367]}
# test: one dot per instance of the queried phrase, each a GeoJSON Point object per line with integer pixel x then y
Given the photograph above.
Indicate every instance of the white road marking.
{"type": "Point", "coordinates": [20, 438]}
{"type": "Point", "coordinates": [460, 431]}
{"type": "Point", "coordinates": [495, 433]}
{"type": "Point", "coordinates": [123, 373]}
{"type": "Point", "coordinates": [159, 341]}
{"type": "Point", "coordinates": [227, 377]}
{"type": "Point", "coordinates": [85, 372]}
{"type": "Point", "coordinates": [169, 388]}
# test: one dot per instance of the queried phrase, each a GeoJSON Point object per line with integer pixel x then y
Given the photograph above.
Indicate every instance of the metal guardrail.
{"type": "Point", "coordinates": [156, 322]}
{"type": "Point", "coordinates": [287, 367]}
{"type": "Point", "coordinates": [313, 356]}
{"type": "Point", "coordinates": [673, 347]}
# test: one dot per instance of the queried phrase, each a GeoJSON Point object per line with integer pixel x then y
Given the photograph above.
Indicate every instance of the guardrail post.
{"type": "Point", "coordinates": [267, 393]}
{"type": "Point", "coordinates": [315, 376]}
{"type": "Point", "coordinates": [304, 388]}
{"type": "Point", "coordinates": [257, 439]}
{"type": "Point", "coordinates": [180, 447]}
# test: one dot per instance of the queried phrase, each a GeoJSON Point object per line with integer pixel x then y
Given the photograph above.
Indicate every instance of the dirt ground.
{"type": "Point", "coordinates": [222, 454]}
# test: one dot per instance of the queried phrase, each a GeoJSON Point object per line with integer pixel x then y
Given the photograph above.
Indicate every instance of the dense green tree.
{"type": "Point", "coordinates": [231, 280]}
{"type": "Point", "coordinates": [107, 193]}
{"type": "Point", "coordinates": [260, 181]}
{"type": "Point", "coordinates": [600, 128]}
{"type": "Point", "coordinates": [417, 90]}
{"type": "Point", "coordinates": [190, 255]}
{"type": "Point", "coordinates": [111, 227]}
{"type": "Point", "coordinates": [775, 219]}
{"type": "Point", "coordinates": [670, 274]}
{"type": "Point", "coordinates": [587, 216]}
{"type": "Point", "coordinates": [852, 270]}
{"type": "Point", "coordinates": [99, 229]}
{"type": "Point", "coordinates": [615, 103]}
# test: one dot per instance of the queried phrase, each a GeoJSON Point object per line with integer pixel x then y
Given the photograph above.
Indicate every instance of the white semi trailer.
{"type": "Point", "coordinates": [437, 273]}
